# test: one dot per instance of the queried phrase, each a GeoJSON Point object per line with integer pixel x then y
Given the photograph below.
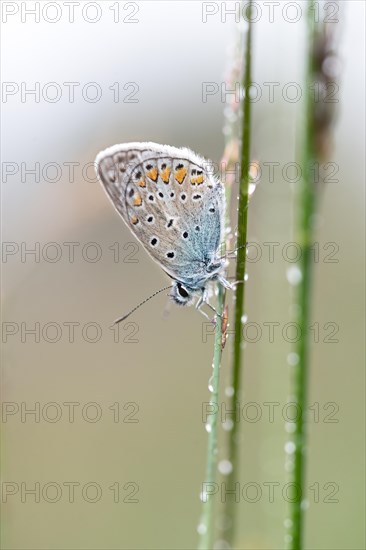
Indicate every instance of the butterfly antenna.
{"type": "Point", "coordinates": [120, 319]}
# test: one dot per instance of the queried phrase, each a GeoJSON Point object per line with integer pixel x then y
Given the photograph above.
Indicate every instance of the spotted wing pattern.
{"type": "Point", "coordinates": [169, 200]}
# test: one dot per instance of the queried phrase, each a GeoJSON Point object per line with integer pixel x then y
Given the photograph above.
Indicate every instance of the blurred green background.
{"type": "Point", "coordinates": [150, 386]}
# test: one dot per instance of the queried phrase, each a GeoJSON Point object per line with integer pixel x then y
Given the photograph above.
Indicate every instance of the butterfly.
{"type": "Point", "coordinates": [174, 207]}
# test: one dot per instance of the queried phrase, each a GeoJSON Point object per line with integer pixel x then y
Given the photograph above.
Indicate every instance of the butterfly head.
{"type": "Point", "coordinates": [182, 294]}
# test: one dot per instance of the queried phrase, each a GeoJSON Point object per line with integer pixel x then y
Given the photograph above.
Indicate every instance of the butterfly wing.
{"type": "Point", "coordinates": [169, 200]}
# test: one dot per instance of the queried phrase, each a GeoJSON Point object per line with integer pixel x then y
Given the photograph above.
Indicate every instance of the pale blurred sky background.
{"type": "Point", "coordinates": [168, 54]}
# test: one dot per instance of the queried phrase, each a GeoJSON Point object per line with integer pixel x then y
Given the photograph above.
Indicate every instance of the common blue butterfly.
{"type": "Point", "coordinates": [174, 206]}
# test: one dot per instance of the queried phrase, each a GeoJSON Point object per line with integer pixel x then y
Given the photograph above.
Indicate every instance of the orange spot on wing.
{"type": "Point", "coordinates": [137, 201]}
{"type": "Point", "coordinates": [197, 180]}
{"type": "Point", "coordinates": [142, 183]}
{"type": "Point", "coordinates": [180, 174]}
{"type": "Point", "coordinates": [152, 174]}
{"type": "Point", "coordinates": [134, 220]}
{"type": "Point", "coordinates": [165, 174]}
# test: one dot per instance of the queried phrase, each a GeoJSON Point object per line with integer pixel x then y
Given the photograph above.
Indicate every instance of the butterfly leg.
{"type": "Point", "coordinates": [213, 321]}
{"type": "Point", "coordinates": [200, 301]}
{"type": "Point", "coordinates": [203, 300]}
{"type": "Point", "coordinates": [213, 309]}
{"type": "Point", "coordinates": [225, 282]}
{"type": "Point", "coordinates": [234, 283]}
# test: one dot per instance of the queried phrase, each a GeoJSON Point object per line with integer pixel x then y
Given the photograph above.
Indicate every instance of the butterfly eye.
{"type": "Point", "coordinates": [182, 291]}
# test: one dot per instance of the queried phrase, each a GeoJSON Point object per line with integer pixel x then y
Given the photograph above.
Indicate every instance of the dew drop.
{"type": "Point", "coordinates": [251, 189]}
{"type": "Point", "coordinates": [210, 386]}
{"type": "Point", "coordinates": [294, 275]}
{"type": "Point", "coordinates": [230, 116]}
{"type": "Point", "coordinates": [246, 277]}
{"type": "Point", "coordinates": [244, 319]}
{"type": "Point", "coordinates": [201, 529]}
{"type": "Point", "coordinates": [228, 425]}
{"type": "Point", "coordinates": [290, 427]}
{"type": "Point", "coordinates": [229, 391]}
{"type": "Point", "coordinates": [304, 504]}
{"type": "Point", "coordinates": [290, 447]}
{"type": "Point", "coordinates": [225, 467]}
{"type": "Point", "coordinates": [288, 523]}
{"type": "Point", "coordinates": [293, 359]}
{"type": "Point", "coordinates": [208, 428]}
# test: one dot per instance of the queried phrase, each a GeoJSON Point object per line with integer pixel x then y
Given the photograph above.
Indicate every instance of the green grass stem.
{"type": "Point", "coordinates": [206, 525]}
{"type": "Point", "coordinates": [229, 520]}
